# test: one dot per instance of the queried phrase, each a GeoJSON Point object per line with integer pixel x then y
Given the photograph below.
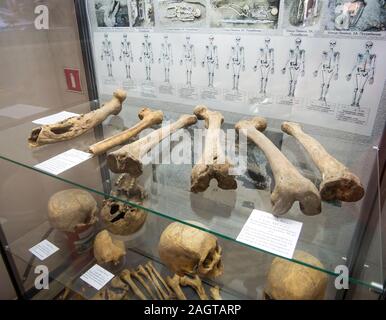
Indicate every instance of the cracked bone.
{"type": "Point", "coordinates": [338, 183]}
{"type": "Point", "coordinates": [128, 158]}
{"type": "Point", "coordinates": [290, 185]}
{"type": "Point", "coordinates": [174, 283]}
{"type": "Point", "coordinates": [215, 293]}
{"type": "Point", "coordinates": [126, 277]}
{"type": "Point", "coordinates": [153, 271]}
{"type": "Point", "coordinates": [77, 125]}
{"type": "Point", "coordinates": [142, 271]}
{"type": "Point", "coordinates": [107, 249]}
{"type": "Point", "coordinates": [148, 118]}
{"type": "Point", "coordinates": [213, 163]}
{"type": "Point", "coordinates": [140, 279]}
{"type": "Point", "coordinates": [196, 284]}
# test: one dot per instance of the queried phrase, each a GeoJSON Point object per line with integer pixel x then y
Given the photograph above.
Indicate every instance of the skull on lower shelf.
{"type": "Point", "coordinates": [187, 250]}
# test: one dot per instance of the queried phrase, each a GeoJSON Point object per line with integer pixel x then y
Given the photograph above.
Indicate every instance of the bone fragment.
{"type": "Point", "coordinates": [215, 293]}
{"type": "Point", "coordinates": [78, 125]}
{"type": "Point", "coordinates": [213, 163]}
{"type": "Point", "coordinates": [126, 276]}
{"type": "Point", "coordinates": [196, 284]}
{"type": "Point", "coordinates": [151, 267]}
{"type": "Point", "coordinates": [290, 185]}
{"type": "Point", "coordinates": [128, 158]}
{"type": "Point", "coordinates": [338, 183]}
{"type": "Point", "coordinates": [107, 249]}
{"type": "Point", "coordinates": [154, 279]}
{"type": "Point", "coordinates": [174, 283]}
{"type": "Point", "coordinates": [148, 118]}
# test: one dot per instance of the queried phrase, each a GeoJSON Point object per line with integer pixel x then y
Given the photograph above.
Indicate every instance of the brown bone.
{"type": "Point", "coordinates": [213, 163]}
{"type": "Point", "coordinates": [148, 118]}
{"type": "Point", "coordinates": [142, 271]}
{"type": "Point", "coordinates": [154, 279]}
{"type": "Point", "coordinates": [153, 270]}
{"type": "Point", "coordinates": [76, 126]}
{"type": "Point", "coordinates": [338, 183]}
{"type": "Point", "coordinates": [139, 278]}
{"type": "Point", "coordinates": [290, 185]}
{"type": "Point", "coordinates": [126, 276]}
{"type": "Point", "coordinates": [196, 284]}
{"type": "Point", "coordinates": [174, 283]}
{"type": "Point", "coordinates": [215, 293]}
{"type": "Point", "coordinates": [128, 158]}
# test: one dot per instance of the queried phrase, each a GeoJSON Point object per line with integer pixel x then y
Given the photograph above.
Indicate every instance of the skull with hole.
{"type": "Point", "coordinates": [118, 216]}
{"type": "Point", "coordinates": [289, 280]}
{"type": "Point", "coordinates": [187, 250]}
{"type": "Point", "coordinates": [72, 209]}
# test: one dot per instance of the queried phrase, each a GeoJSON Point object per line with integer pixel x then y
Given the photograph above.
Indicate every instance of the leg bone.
{"type": "Point", "coordinates": [148, 118]}
{"type": "Point", "coordinates": [174, 283]}
{"type": "Point", "coordinates": [128, 158]}
{"type": "Point", "coordinates": [290, 185]}
{"type": "Point", "coordinates": [196, 284]}
{"type": "Point", "coordinates": [338, 183]}
{"type": "Point", "coordinates": [213, 163]}
{"type": "Point", "coordinates": [126, 276]}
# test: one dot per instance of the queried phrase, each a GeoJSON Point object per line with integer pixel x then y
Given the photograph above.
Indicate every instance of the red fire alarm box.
{"type": "Point", "coordinates": [73, 79]}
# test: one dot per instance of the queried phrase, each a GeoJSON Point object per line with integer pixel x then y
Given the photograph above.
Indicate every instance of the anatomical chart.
{"type": "Point", "coordinates": [141, 13]}
{"type": "Point", "coordinates": [111, 13]}
{"type": "Point", "coordinates": [359, 15]}
{"type": "Point", "coordinates": [182, 14]}
{"type": "Point", "coordinates": [259, 14]}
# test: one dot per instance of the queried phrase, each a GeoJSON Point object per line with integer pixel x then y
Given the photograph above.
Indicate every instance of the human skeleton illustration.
{"type": "Point", "coordinates": [147, 56]}
{"type": "Point", "coordinates": [364, 69]}
{"type": "Point", "coordinates": [211, 60]}
{"type": "Point", "coordinates": [329, 68]}
{"type": "Point", "coordinates": [166, 57]}
{"type": "Point", "coordinates": [107, 54]}
{"type": "Point", "coordinates": [126, 55]}
{"type": "Point", "coordinates": [296, 66]}
{"type": "Point", "coordinates": [189, 57]}
{"type": "Point", "coordinates": [266, 64]}
{"type": "Point", "coordinates": [237, 59]}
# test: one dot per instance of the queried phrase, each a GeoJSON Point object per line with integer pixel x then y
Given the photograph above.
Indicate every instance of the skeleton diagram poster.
{"type": "Point", "coordinates": [317, 62]}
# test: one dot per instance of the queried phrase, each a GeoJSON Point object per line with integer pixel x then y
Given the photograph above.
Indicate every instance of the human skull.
{"type": "Point", "coordinates": [121, 218]}
{"type": "Point", "coordinates": [187, 250]}
{"type": "Point", "coordinates": [289, 280]}
{"type": "Point", "coordinates": [71, 209]}
{"type": "Point", "coordinates": [298, 41]}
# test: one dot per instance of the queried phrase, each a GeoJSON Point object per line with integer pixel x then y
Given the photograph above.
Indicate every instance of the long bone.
{"type": "Point", "coordinates": [128, 158]}
{"type": "Point", "coordinates": [290, 185]}
{"type": "Point", "coordinates": [153, 270]}
{"type": "Point", "coordinates": [140, 279]}
{"type": "Point", "coordinates": [156, 283]}
{"type": "Point", "coordinates": [213, 163]}
{"type": "Point", "coordinates": [338, 183]}
{"type": "Point", "coordinates": [76, 126]}
{"type": "Point", "coordinates": [126, 276]}
{"type": "Point", "coordinates": [174, 283]}
{"type": "Point", "coordinates": [196, 284]}
{"type": "Point", "coordinates": [148, 118]}
{"type": "Point", "coordinates": [142, 271]}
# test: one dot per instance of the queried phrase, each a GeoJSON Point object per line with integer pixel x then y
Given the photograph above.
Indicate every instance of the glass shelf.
{"type": "Point", "coordinates": [328, 236]}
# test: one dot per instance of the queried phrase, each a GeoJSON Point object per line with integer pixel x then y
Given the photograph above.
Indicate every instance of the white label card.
{"type": "Point", "coordinates": [270, 233]}
{"type": "Point", "coordinates": [43, 250]}
{"type": "Point", "coordinates": [97, 277]}
{"type": "Point", "coordinates": [54, 118]}
{"type": "Point", "coordinates": [64, 161]}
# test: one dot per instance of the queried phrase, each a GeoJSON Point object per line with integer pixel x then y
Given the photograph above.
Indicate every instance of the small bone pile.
{"type": "Point", "coordinates": [147, 283]}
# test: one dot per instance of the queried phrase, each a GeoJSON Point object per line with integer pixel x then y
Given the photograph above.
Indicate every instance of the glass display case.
{"type": "Point", "coordinates": [276, 226]}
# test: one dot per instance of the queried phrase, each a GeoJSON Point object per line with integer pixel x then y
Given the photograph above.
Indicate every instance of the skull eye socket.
{"type": "Point", "coordinates": [114, 208]}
